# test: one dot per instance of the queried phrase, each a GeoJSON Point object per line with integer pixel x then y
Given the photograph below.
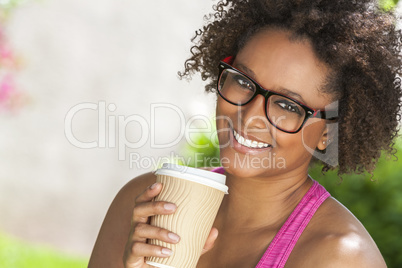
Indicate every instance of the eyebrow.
{"type": "Point", "coordinates": [283, 91]}
{"type": "Point", "coordinates": [292, 94]}
{"type": "Point", "coordinates": [246, 70]}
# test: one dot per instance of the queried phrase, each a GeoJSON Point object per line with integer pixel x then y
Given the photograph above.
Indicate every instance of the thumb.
{"type": "Point", "coordinates": [209, 244]}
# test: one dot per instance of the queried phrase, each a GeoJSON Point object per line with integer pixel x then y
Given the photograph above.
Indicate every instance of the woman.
{"type": "Point", "coordinates": [285, 72]}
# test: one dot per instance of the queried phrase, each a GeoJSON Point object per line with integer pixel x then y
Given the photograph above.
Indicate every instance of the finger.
{"type": "Point", "coordinates": [209, 244]}
{"type": "Point", "coordinates": [143, 211]}
{"type": "Point", "coordinates": [136, 253]}
{"type": "Point", "coordinates": [149, 193]}
{"type": "Point", "coordinates": [145, 231]}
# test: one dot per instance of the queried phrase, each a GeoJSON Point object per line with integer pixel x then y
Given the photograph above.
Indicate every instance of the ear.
{"type": "Point", "coordinates": [323, 141]}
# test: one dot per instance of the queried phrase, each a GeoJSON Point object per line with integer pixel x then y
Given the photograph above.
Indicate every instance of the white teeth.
{"type": "Point", "coordinates": [249, 143]}
{"type": "Point", "coordinates": [241, 140]}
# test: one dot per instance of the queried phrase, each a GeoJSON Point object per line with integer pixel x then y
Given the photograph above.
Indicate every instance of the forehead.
{"type": "Point", "coordinates": [280, 62]}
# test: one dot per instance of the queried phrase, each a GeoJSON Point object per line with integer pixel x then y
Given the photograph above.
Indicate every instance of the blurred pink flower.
{"type": "Point", "coordinates": [6, 88]}
{"type": "Point", "coordinates": [11, 99]}
{"type": "Point", "coordinates": [6, 53]}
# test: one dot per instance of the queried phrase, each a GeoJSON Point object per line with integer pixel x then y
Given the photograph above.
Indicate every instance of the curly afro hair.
{"type": "Point", "coordinates": [358, 40]}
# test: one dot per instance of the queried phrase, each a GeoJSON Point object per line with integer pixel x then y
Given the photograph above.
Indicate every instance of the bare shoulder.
{"type": "Point", "coordinates": [112, 237]}
{"type": "Point", "coordinates": [335, 238]}
{"type": "Point", "coordinates": [136, 186]}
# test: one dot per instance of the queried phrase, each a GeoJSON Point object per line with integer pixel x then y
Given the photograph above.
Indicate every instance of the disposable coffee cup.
{"type": "Point", "coordinates": [198, 195]}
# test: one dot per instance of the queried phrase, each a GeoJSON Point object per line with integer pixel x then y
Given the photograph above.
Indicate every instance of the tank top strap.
{"type": "Point", "coordinates": [284, 241]}
{"type": "Point", "coordinates": [219, 170]}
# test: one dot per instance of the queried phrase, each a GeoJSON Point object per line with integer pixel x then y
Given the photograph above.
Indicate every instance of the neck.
{"type": "Point", "coordinates": [255, 203]}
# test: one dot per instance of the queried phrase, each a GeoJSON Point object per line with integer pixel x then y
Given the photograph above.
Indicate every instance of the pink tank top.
{"type": "Point", "coordinates": [284, 241]}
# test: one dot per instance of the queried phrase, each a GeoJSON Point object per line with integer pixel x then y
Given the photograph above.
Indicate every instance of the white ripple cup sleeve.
{"type": "Point", "coordinates": [198, 195]}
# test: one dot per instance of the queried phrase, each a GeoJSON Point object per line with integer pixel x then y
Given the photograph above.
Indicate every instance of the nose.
{"type": "Point", "coordinates": [253, 114]}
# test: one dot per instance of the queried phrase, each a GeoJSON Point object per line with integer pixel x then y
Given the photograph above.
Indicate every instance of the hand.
{"type": "Point", "coordinates": [136, 248]}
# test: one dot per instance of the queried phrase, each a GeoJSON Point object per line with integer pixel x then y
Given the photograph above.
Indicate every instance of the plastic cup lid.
{"type": "Point", "coordinates": [204, 177]}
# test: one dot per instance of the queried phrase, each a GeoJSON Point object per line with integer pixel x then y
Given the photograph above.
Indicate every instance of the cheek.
{"type": "Point", "coordinates": [225, 114]}
{"type": "Point", "coordinates": [301, 145]}
{"type": "Point", "coordinates": [290, 146]}
{"type": "Point", "coordinates": [223, 120]}
{"type": "Point", "coordinates": [311, 133]}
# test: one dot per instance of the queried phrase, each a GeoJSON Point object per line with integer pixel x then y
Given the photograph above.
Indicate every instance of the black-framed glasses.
{"type": "Point", "coordinates": [283, 112]}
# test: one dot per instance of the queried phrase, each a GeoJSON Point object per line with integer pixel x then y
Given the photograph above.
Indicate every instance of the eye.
{"type": "Point", "coordinates": [244, 83]}
{"type": "Point", "coordinates": [288, 106]}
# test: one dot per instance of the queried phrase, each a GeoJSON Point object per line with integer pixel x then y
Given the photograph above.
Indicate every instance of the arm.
{"type": "Point", "coordinates": [122, 239]}
{"type": "Point", "coordinates": [113, 235]}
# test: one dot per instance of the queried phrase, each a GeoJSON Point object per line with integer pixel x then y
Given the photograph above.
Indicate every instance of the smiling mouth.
{"type": "Point", "coordinates": [250, 143]}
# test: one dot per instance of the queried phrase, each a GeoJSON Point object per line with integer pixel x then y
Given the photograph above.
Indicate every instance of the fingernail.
{"type": "Point", "coordinates": [170, 207]}
{"type": "Point", "coordinates": [153, 186]}
{"type": "Point", "coordinates": [166, 252]}
{"type": "Point", "coordinates": [173, 237]}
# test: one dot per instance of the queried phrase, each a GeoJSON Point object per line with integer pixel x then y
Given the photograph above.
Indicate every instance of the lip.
{"type": "Point", "coordinates": [247, 150]}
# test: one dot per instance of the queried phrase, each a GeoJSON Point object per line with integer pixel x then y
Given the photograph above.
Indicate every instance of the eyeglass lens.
{"type": "Point", "coordinates": [281, 111]}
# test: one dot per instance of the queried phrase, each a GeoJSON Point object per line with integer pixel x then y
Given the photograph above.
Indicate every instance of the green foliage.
{"type": "Point", "coordinates": [6, 6]}
{"type": "Point", "coordinates": [204, 153]}
{"type": "Point", "coordinates": [18, 254]}
{"type": "Point", "coordinates": [388, 4]}
{"type": "Point", "coordinates": [376, 201]}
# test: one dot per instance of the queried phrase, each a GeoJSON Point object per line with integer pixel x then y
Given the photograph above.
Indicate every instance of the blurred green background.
{"type": "Point", "coordinates": [15, 253]}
